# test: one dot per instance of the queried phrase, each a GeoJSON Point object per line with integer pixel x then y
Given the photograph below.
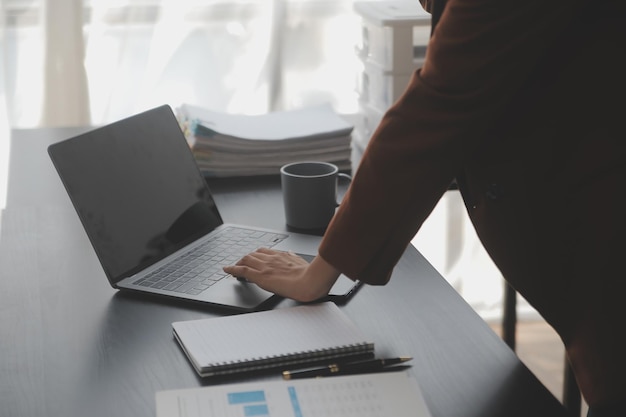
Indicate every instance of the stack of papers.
{"type": "Point", "coordinates": [231, 145]}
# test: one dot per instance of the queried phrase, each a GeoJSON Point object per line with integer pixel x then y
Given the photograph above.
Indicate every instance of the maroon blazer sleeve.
{"type": "Point", "coordinates": [481, 53]}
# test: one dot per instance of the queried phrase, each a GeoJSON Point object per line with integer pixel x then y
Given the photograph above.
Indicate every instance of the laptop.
{"type": "Point", "coordinates": [151, 218]}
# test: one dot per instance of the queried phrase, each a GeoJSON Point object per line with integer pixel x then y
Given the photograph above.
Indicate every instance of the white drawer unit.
{"type": "Point", "coordinates": [380, 88]}
{"type": "Point", "coordinates": [366, 123]}
{"type": "Point", "coordinates": [394, 33]}
{"type": "Point", "coordinates": [393, 45]}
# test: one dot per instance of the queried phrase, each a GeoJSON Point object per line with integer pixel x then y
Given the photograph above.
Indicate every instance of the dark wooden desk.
{"type": "Point", "coordinates": [72, 346]}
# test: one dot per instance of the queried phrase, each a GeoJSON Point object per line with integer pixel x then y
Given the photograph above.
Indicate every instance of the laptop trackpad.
{"type": "Point", "coordinates": [231, 291]}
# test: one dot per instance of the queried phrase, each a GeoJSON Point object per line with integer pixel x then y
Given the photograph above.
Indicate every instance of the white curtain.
{"type": "Point", "coordinates": [78, 62]}
{"type": "Point", "coordinates": [65, 89]}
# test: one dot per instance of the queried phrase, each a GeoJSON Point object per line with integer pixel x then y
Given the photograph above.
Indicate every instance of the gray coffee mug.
{"type": "Point", "coordinates": [310, 193]}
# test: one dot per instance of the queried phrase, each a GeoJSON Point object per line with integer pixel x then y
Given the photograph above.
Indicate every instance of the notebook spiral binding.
{"type": "Point", "coordinates": [313, 356]}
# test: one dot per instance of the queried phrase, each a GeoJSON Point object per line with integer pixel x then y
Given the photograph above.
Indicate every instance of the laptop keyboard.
{"type": "Point", "coordinates": [201, 267]}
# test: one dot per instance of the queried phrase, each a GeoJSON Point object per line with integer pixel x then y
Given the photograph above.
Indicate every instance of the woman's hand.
{"type": "Point", "coordinates": [286, 274]}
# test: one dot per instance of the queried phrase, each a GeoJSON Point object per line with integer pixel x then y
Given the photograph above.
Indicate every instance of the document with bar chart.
{"type": "Point", "coordinates": [367, 395]}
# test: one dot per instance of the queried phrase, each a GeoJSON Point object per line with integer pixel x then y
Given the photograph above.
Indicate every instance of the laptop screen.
{"type": "Point", "coordinates": [137, 190]}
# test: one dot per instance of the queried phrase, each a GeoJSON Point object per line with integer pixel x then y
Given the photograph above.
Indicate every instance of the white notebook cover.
{"type": "Point", "coordinates": [268, 339]}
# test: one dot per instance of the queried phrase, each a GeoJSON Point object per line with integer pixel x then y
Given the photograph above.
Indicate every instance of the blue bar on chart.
{"type": "Point", "coordinates": [295, 404]}
{"type": "Point", "coordinates": [252, 402]}
{"type": "Point", "coordinates": [246, 397]}
{"type": "Point", "coordinates": [258, 410]}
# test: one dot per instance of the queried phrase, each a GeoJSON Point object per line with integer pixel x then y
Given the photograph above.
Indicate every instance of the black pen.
{"type": "Point", "coordinates": [371, 365]}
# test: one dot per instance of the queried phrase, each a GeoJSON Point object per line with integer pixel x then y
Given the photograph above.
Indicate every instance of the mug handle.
{"type": "Point", "coordinates": [344, 176]}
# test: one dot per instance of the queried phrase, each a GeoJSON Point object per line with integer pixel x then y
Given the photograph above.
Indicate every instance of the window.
{"type": "Point", "coordinates": [238, 56]}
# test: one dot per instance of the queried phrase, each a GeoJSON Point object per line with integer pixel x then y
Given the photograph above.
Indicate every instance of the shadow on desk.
{"type": "Point", "coordinates": [190, 305]}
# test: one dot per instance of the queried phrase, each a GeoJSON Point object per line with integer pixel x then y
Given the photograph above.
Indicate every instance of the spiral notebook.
{"type": "Point", "coordinates": [286, 337]}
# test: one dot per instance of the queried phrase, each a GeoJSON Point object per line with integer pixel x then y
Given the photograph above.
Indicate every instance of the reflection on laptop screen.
{"type": "Point", "coordinates": [137, 215]}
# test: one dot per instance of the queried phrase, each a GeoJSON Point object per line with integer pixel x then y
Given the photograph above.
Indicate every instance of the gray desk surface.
{"type": "Point", "coordinates": [70, 345]}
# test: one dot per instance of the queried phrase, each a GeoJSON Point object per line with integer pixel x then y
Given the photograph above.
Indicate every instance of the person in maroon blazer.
{"type": "Point", "coordinates": [522, 103]}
